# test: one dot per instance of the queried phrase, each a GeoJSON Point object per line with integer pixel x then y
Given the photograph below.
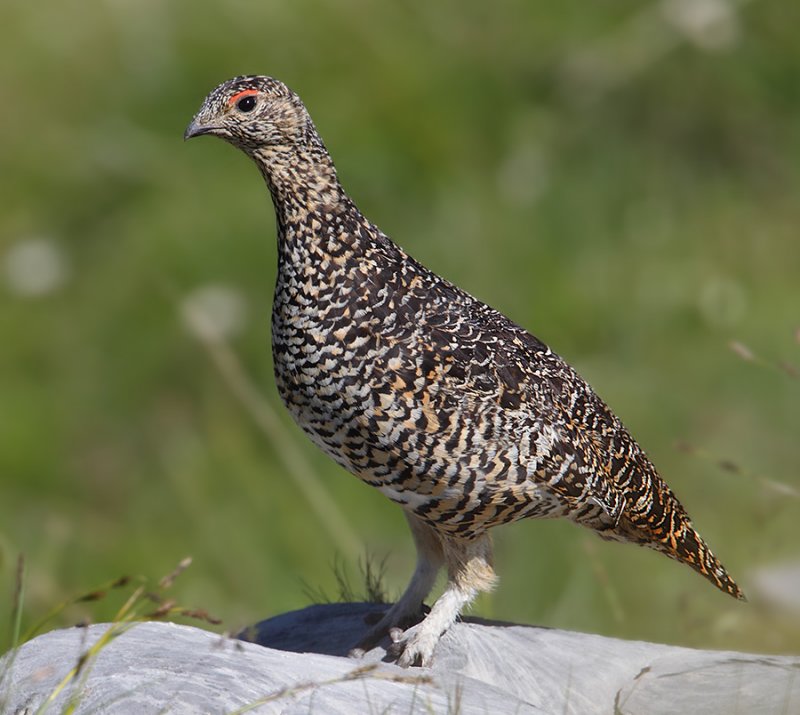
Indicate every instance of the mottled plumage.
{"type": "Point", "coordinates": [443, 404]}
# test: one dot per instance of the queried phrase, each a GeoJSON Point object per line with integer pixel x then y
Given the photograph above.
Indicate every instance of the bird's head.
{"type": "Point", "coordinates": [253, 113]}
{"type": "Point", "coordinates": [265, 119]}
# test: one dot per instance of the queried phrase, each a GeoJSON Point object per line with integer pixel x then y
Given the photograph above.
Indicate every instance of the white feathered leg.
{"type": "Point", "coordinates": [409, 608]}
{"type": "Point", "coordinates": [469, 571]}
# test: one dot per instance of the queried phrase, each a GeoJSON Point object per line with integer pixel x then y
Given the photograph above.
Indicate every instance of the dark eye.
{"type": "Point", "coordinates": [246, 104]}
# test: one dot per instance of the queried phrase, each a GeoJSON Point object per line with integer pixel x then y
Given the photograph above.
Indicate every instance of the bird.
{"type": "Point", "coordinates": [446, 406]}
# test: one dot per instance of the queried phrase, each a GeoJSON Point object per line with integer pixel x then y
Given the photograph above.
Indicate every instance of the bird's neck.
{"type": "Point", "coordinates": [303, 184]}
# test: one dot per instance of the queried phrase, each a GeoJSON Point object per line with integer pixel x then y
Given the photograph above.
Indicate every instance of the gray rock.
{"type": "Point", "coordinates": [479, 667]}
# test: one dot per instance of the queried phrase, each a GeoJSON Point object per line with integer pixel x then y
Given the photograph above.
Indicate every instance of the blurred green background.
{"type": "Point", "coordinates": [620, 178]}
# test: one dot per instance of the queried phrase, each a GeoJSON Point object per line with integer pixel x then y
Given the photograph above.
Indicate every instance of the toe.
{"type": "Point", "coordinates": [395, 634]}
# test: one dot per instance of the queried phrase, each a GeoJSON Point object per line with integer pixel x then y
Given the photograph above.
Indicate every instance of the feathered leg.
{"type": "Point", "coordinates": [430, 559]}
{"type": "Point", "coordinates": [469, 571]}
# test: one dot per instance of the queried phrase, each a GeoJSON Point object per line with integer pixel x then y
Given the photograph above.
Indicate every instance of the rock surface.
{"type": "Point", "coordinates": [479, 667]}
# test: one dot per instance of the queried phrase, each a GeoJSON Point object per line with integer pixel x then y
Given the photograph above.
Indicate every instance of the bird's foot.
{"type": "Point", "coordinates": [384, 624]}
{"type": "Point", "coordinates": [414, 646]}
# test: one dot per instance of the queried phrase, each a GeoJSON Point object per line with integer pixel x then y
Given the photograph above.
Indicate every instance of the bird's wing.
{"type": "Point", "coordinates": [518, 396]}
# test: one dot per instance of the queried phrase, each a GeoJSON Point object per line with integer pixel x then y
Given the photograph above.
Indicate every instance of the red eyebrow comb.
{"type": "Point", "coordinates": [244, 93]}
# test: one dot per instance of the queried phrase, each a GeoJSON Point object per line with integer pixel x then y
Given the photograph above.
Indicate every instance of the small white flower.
{"type": "Point", "coordinates": [34, 267]}
{"type": "Point", "coordinates": [779, 584]}
{"type": "Point", "coordinates": [214, 311]}
{"type": "Point", "coordinates": [709, 24]}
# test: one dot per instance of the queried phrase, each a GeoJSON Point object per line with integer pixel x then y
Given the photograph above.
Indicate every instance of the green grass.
{"type": "Point", "coordinates": [617, 186]}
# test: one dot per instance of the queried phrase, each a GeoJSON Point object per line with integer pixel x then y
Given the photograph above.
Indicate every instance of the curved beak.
{"type": "Point", "coordinates": [196, 129]}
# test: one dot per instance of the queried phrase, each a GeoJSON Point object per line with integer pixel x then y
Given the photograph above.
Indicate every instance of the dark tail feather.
{"type": "Point", "coordinates": [668, 529]}
{"type": "Point", "coordinates": [687, 546]}
{"type": "Point", "coordinates": [658, 520]}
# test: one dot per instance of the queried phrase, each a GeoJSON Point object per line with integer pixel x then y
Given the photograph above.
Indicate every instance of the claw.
{"type": "Point", "coordinates": [387, 624]}
{"type": "Point", "coordinates": [395, 650]}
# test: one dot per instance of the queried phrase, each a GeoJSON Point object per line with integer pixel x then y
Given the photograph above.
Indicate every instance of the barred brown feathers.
{"type": "Point", "coordinates": [460, 416]}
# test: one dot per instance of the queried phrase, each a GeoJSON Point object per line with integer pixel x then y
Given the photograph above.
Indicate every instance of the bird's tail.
{"type": "Point", "coordinates": [665, 526]}
{"type": "Point", "coordinates": [688, 547]}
